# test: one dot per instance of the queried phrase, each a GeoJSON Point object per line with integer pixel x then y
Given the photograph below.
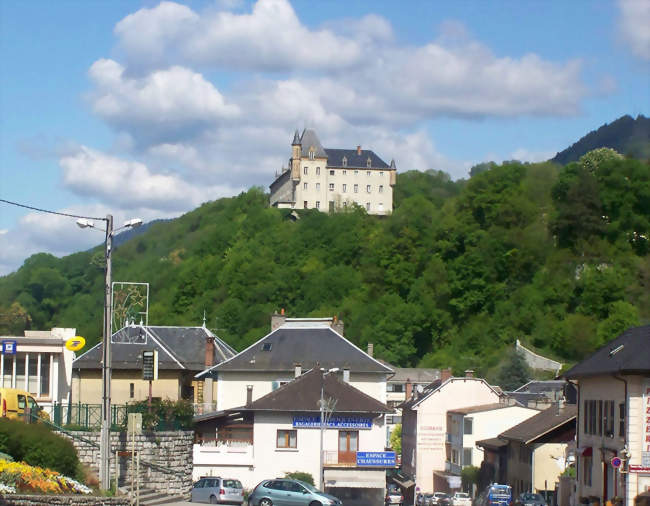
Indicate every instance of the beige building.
{"type": "Point", "coordinates": [333, 179]}
{"type": "Point", "coordinates": [424, 428]}
{"type": "Point", "coordinates": [614, 418]}
{"type": "Point", "coordinates": [41, 365]}
{"type": "Point", "coordinates": [182, 353]}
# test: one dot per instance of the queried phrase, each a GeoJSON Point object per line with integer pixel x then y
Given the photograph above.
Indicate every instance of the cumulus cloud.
{"type": "Point", "coordinates": [634, 26]}
{"type": "Point", "coordinates": [129, 184]}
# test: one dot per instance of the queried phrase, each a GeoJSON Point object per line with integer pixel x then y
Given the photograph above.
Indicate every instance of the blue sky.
{"type": "Point", "coordinates": [148, 109]}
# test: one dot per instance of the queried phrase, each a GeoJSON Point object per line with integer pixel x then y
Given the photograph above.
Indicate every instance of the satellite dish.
{"type": "Point", "coordinates": [419, 388]}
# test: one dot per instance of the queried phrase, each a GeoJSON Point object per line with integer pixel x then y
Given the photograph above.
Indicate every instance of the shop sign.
{"type": "Point", "coordinates": [377, 459]}
{"type": "Point", "coordinates": [335, 422]}
{"type": "Point", "coordinates": [638, 469]}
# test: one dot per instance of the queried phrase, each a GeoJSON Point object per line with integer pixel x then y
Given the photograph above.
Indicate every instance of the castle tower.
{"type": "Point", "coordinates": [294, 163]}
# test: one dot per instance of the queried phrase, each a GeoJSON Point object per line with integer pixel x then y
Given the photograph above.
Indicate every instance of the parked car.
{"type": "Point", "coordinates": [393, 495]}
{"type": "Point", "coordinates": [218, 490]}
{"type": "Point", "coordinates": [530, 499]}
{"type": "Point", "coordinates": [461, 499]}
{"type": "Point", "coordinates": [13, 403]}
{"type": "Point", "coordinates": [442, 499]}
{"type": "Point", "coordinates": [289, 492]}
{"type": "Point", "coordinates": [429, 500]}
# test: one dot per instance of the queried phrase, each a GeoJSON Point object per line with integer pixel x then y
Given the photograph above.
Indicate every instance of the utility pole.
{"type": "Point", "coordinates": [105, 440]}
{"type": "Point", "coordinates": [321, 477]}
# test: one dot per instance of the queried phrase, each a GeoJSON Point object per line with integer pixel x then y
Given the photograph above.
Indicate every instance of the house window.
{"type": "Point", "coordinates": [331, 187]}
{"type": "Point", "coordinates": [356, 188]}
{"type": "Point", "coordinates": [345, 188]}
{"type": "Point", "coordinates": [318, 171]}
{"type": "Point", "coordinates": [345, 162]}
{"type": "Point", "coordinates": [368, 188]}
{"type": "Point", "coordinates": [286, 439]}
{"type": "Point", "coordinates": [45, 374]}
{"type": "Point", "coordinates": [318, 204]}
{"type": "Point", "coordinates": [305, 170]}
{"type": "Point", "coordinates": [608, 418]}
{"type": "Point", "coordinates": [131, 390]}
{"type": "Point", "coordinates": [317, 186]}
{"type": "Point", "coordinates": [467, 426]}
{"type": "Point", "coordinates": [454, 457]}
{"type": "Point", "coordinates": [395, 387]}
{"type": "Point", "coordinates": [586, 470]}
{"type": "Point", "coordinates": [467, 457]}
{"type": "Point", "coordinates": [381, 188]}
{"type": "Point", "coordinates": [367, 206]}
{"type": "Point", "coordinates": [600, 418]}
{"type": "Point", "coordinates": [621, 419]}
{"type": "Point", "coordinates": [304, 186]}
{"type": "Point", "coordinates": [331, 172]}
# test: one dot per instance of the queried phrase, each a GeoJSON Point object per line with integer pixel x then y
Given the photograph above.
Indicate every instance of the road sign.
{"type": "Point", "coordinates": [75, 343]}
{"type": "Point", "coordinates": [9, 347]}
{"type": "Point", "coordinates": [616, 462]}
{"type": "Point", "coordinates": [150, 365]}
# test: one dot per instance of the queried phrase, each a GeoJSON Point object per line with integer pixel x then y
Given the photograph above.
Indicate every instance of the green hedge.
{"type": "Point", "coordinates": [37, 445]}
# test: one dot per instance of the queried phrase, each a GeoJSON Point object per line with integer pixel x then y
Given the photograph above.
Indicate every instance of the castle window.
{"type": "Point", "coordinates": [368, 162]}
{"type": "Point", "coordinates": [318, 171]}
{"type": "Point", "coordinates": [356, 172]}
{"type": "Point", "coordinates": [356, 188]}
{"type": "Point", "coordinates": [305, 204]}
{"type": "Point", "coordinates": [381, 173]}
{"type": "Point", "coordinates": [311, 154]}
{"type": "Point", "coordinates": [345, 162]}
{"type": "Point", "coordinates": [368, 173]}
{"type": "Point", "coordinates": [304, 186]}
{"type": "Point", "coordinates": [331, 187]}
{"type": "Point", "coordinates": [381, 188]}
{"type": "Point", "coordinates": [317, 186]}
{"type": "Point", "coordinates": [367, 206]}
{"type": "Point", "coordinates": [331, 172]}
{"type": "Point", "coordinates": [305, 170]}
{"type": "Point", "coordinates": [345, 172]}
{"type": "Point", "coordinates": [368, 188]}
{"type": "Point", "coordinates": [345, 188]}
{"type": "Point", "coordinates": [318, 204]}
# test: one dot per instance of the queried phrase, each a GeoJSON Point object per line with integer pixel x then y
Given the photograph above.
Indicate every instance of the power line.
{"type": "Point", "coordinates": [50, 212]}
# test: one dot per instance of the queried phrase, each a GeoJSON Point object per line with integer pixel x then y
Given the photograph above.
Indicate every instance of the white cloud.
{"type": "Point", "coordinates": [634, 25]}
{"type": "Point", "coordinates": [166, 104]}
{"type": "Point", "coordinates": [131, 184]}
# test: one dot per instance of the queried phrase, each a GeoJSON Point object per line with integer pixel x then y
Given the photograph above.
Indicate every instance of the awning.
{"type": "Point", "coordinates": [355, 478]}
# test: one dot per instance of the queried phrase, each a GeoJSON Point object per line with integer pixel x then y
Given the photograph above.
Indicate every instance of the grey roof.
{"type": "Point", "coordinates": [482, 407]}
{"type": "Point", "coordinates": [537, 386]}
{"type": "Point", "coordinates": [354, 160]}
{"type": "Point", "coordinates": [629, 353]}
{"type": "Point", "coordinates": [178, 348]}
{"type": "Point", "coordinates": [296, 139]}
{"type": "Point", "coordinates": [493, 443]}
{"type": "Point", "coordinates": [435, 385]}
{"type": "Point", "coordinates": [417, 375]}
{"type": "Point", "coordinates": [308, 140]}
{"type": "Point", "coordinates": [303, 395]}
{"type": "Point", "coordinates": [307, 345]}
{"type": "Point", "coordinates": [542, 423]}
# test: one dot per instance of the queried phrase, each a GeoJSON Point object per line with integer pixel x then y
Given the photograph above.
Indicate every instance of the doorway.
{"type": "Point", "coordinates": [348, 446]}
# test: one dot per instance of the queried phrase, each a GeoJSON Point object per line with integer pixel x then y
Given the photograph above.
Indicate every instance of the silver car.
{"type": "Point", "coordinates": [218, 491]}
{"type": "Point", "coordinates": [290, 492]}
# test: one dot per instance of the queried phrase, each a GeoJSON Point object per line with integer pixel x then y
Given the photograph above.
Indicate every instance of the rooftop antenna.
{"type": "Point", "coordinates": [204, 318]}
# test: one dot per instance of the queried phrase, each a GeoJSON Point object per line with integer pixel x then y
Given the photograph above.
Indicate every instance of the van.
{"type": "Point", "coordinates": [13, 403]}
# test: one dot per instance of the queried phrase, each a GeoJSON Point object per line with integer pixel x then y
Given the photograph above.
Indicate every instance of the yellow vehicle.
{"type": "Point", "coordinates": [13, 403]}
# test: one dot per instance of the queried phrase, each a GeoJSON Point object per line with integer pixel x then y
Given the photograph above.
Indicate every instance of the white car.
{"type": "Point", "coordinates": [461, 499]}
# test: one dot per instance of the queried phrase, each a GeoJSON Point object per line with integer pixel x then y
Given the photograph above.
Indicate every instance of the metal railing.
{"type": "Point", "coordinates": [85, 416]}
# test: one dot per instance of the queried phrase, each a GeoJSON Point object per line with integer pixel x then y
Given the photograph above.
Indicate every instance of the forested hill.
{"type": "Point", "coordinates": [557, 257]}
{"type": "Point", "coordinates": [628, 136]}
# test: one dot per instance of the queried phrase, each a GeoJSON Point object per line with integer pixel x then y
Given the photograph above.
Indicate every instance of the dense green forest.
{"type": "Point", "coordinates": [555, 256]}
{"type": "Point", "coordinates": [627, 135]}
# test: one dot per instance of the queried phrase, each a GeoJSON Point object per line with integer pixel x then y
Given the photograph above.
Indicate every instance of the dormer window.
{"type": "Point", "coordinates": [311, 153]}
{"type": "Point", "coordinates": [267, 346]}
{"type": "Point", "coordinates": [345, 161]}
{"type": "Point", "coordinates": [368, 162]}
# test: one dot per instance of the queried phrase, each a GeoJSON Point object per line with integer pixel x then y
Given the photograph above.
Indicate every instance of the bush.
{"type": "Point", "coordinates": [163, 414]}
{"type": "Point", "coordinates": [36, 445]}
{"type": "Point", "coordinates": [302, 476]}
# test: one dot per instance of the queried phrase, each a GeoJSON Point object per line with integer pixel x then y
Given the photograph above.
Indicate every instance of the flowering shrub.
{"type": "Point", "coordinates": [21, 477]}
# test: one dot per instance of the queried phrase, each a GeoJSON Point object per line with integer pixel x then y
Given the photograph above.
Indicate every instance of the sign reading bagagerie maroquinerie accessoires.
{"type": "Point", "coordinates": [335, 422]}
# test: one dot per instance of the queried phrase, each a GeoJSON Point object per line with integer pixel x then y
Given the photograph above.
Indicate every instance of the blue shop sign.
{"type": "Point", "coordinates": [376, 459]}
{"type": "Point", "coordinates": [9, 347]}
{"type": "Point", "coordinates": [335, 422]}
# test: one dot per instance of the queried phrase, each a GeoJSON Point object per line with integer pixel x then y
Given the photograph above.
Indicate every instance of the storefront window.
{"type": "Point", "coordinates": [45, 374]}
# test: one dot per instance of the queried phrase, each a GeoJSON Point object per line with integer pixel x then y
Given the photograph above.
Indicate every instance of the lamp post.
{"type": "Point", "coordinates": [105, 438]}
{"type": "Point", "coordinates": [323, 422]}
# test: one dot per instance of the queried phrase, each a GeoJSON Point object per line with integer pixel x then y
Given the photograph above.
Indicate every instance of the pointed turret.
{"type": "Point", "coordinates": [296, 139]}
{"type": "Point", "coordinates": [392, 164]}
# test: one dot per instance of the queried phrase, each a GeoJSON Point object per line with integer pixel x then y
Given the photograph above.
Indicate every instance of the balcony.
{"type": "Point", "coordinates": [452, 468]}
{"type": "Point", "coordinates": [333, 459]}
{"type": "Point", "coordinates": [217, 452]}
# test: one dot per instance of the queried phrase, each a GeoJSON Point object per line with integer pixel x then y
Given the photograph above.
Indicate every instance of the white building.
{"type": "Point", "coordinates": [466, 426]}
{"type": "Point", "coordinates": [331, 179]}
{"type": "Point", "coordinates": [280, 433]}
{"type": "Point", "coordinates": [614, 418]}
{"type": "Point", "coordinates": [41, 365]}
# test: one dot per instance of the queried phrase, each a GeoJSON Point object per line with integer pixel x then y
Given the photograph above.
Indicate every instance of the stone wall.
{"type": "Point", "coordinates": [47, 500]}
{"type": "Point", "coordinates": [536, 361]}
{"type": "Point", "coordinates": [166, 458]}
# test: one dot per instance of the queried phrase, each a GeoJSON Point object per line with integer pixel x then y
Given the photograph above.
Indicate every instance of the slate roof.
{"type": "Point", "coordinates": [178, 348]}
{"type": "Point", "coordinates": [309, 139]}
{"type": "Point", "coordinates": [540, 424]}
{"type": "Point", "coordinates": [629, 353]}
{"type": "Point", "coordinates": [307, 344]}
{"type": "Point", "coordinates": [481, 408]}
{"type": "Point", "coordinates": [537, 386]}
{"type": "Point", "coordinates": [303, 395]}
{"type": "Point", "coordinates": [417, 375]}
{"type": "Point", "coordinates": [354, 160]}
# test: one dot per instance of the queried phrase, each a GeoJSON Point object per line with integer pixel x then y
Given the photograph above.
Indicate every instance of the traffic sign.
{"type": "Point", "coordinates": [9, 347]}
{"type": "Point", "coordinates": [616, 462]}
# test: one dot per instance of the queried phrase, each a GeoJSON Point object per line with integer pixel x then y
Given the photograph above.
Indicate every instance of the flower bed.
{"type": "Point", "coordinates": [18, 477]}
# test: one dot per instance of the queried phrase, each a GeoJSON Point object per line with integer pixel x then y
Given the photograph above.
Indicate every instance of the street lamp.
{"type": "Point", "coordinates": [326, 405]}
{"type": "Point", "coordinates": [105, 440]}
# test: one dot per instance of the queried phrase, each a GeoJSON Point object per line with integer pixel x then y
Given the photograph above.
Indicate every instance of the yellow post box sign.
{"type": "Point", "coordinates": [75, 343]}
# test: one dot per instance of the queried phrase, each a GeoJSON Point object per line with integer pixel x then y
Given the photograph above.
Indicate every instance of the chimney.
{"type": "Point", "coordinates": [297, 370]}
{"type": "Point", "coordinates": [409, 388]}
{"type": "Point", "coordinates": [371, 349]}
{"type": "Point", "coordinates": [209, 351]}
{"type": "Point", "coordinates": [278, 319]}
{"type": "Point", "coordinates": [445, 374]}
{"type": "Point", "coordinates": [249, 395]}
{"type": "Point", "coordinates": [346, 374]}
{"type": "Point", "coordinates": [337, 325]}
{"type": "Point", "coordinates": [469, 373]}
{"type": "Point", "coordinates": [358, 150]}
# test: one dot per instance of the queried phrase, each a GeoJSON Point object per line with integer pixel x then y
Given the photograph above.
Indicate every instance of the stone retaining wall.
{"type": "Point", "coordinates": [169, 452]}
{"type": "Point", "coordinates": [47, 500]}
